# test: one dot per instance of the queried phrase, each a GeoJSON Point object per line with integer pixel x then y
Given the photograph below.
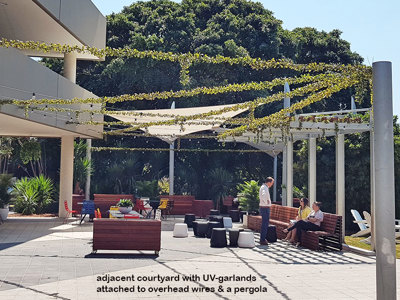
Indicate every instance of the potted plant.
{"type": "Point", "coordinates": [5, 196]}
{"type": "Point", "coordinates": [249, 196]}
{"type": "Point", "coordinates": [125, 206]}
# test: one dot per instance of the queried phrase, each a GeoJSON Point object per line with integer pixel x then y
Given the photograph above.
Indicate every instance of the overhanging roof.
{"type": "Point", "coordinates": [71, 22]}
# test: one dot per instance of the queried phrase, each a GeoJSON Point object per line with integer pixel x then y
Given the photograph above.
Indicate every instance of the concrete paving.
{"type": "Point", "coordinates": [41, 258]}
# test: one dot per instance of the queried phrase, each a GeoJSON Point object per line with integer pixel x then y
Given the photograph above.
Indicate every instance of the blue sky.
{"type": "Point", "coordinates": [369, 25]}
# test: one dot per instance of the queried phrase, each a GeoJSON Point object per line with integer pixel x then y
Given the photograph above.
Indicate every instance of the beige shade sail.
{"type": "Point", "coordinates": [169, 133]}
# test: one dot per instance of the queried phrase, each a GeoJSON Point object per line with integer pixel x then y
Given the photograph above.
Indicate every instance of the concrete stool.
{"type": "Point", "coordinates": [211, 225]}
{"type": "Point", "coordinates": [189, 218]}
{"type": "Point", "coordinates": [246, 240]}
{"type": "Point", "coordinates": [234, 214]}
{"type": "Point", "coordinates": [202, 228]}
{"type": "Point", "coordinates": [242, 213]}
{"type": "Point", "coordinates": [219, 219]}
{"type": "Point", "coordinates": [180, 230]}
{"type": "Point", "coordinates": [227, 222]}
{"type": "Point", "coordinates": [194, 223]}
{"type": "Point", "coordinates": [233, 236]}
{"type": "Point", "coordinates": [214, 212]}
{"type": "Point", "coordinates": [218, 238]}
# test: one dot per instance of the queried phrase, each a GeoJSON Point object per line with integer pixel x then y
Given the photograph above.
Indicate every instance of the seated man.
{"type": "Point", "coordinates": [312, 222]}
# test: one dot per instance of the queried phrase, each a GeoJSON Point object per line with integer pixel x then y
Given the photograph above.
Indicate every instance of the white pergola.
{"type": "Point", "coordinates": [382, 166]}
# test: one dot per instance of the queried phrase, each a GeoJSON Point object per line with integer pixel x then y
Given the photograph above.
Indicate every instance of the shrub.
{"type": "Point", "coordinates": [125, 203]}
{"type": "Point", "coordinates": [33, 195]}
{"type": "Point", "coordinates": [249, 196]}
{"type": "Point", "coordinates": [5, 184]}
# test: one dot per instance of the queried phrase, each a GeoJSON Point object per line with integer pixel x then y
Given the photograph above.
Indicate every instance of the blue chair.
{"type": "Point", "coordinates": [88, 208]}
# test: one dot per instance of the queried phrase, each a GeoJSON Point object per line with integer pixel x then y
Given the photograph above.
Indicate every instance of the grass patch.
{"type": "Point", "coordinates": [356, 242]}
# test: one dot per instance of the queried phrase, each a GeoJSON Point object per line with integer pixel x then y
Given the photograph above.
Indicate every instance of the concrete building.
{"type": "Point", "coordinates": [72, 22]}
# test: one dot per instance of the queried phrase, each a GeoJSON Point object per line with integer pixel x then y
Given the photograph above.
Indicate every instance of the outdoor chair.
{"type": "Point", "coordinates": [69, 212]}
{"type": "Point", "coordinates": [364, 225]}
{"type": "Point", "coordinates": [163, 205]}
{"type": "Point", "coordinates": [367, 217]}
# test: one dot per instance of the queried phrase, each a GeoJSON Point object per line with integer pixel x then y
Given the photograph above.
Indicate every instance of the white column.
{"type": "Point", "coordinates": [66, 174]}
{"type": "Point", "coordinates": [171, 168]}
{"type": "Point", "coordinates": [284, 175]}
{"type": "Point", "coordinates": [312, 170]}
{"type": "Point", "coordinates": [70, 66]}
{"type": "Point", "coordinates": [340, 180]}
{"type": "Point", "coordinates": [384, 181]}
{"type": "Point", "coordinates": [275, 177]}
{"type": "Point", "coordinates": [286, 104]}
{"type": "Point", "coordinates": [89, 158]}
{"type": "Point", "coordinates": [289, 187]}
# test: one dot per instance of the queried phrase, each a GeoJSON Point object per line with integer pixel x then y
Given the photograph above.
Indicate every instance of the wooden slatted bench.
{"type": "Point", "coordinates": [104, 201]}
{"type": "Point", "coordinates": [120, 234]}
{"type": "Point", "coordinates": [201, 208]}
{"type": "Point", "coordinates": [183, 204]}
{"type": "Point", "coordinates": [328, 238]}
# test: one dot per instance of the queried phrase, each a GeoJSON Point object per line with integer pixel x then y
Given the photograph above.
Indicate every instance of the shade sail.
{"type": "Point", "coordinates": [170, 133]}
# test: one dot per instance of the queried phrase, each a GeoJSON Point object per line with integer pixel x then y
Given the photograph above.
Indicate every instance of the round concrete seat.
{"type": "Point", "coordinates": [211, 225]}
{"type": "Point", "coordinates": [214, 212]}
{"type": "Point", "coordinates": [227, 222]}
{"type": "Point", "coordinates": [246, 240]}
{"type": "Point", "coordinates": [202, 228]}
{"type": "Point", "coordinates": [234, 236]}
{"type": "Point", "coordinates": [242, 213]}
{"type": "Point", "coordinates": [180, 230]}
{"type": "Point", "coordinates": [189, 218]}
{"type": "Point", "coordinates": [234, 214]}
{"type": "Point", "coordinates": [194, 224]}
{"type": "Point", "coordinates": [218, 238]}
{"type": "Point", "coordinates": [219, 219]}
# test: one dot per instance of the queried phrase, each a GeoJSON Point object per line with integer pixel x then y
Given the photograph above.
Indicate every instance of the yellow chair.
{"type": "Point", "coordinates": [113, 208]}
{"type": "Point", "coordinates": [163, 203]}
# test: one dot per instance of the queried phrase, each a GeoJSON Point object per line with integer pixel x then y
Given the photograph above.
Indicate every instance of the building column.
{"type": "Point", "coordinates": [340, 180]}
{"type": "Point", "coordinates": [171, 168]}
{"type": "Point", "coordinates": [89, 158]}
{"type": "Point", "coordinates": [70, 66]}
{"type": "Point", "coordinates": [66, 174]}
{"type": "Point", "coordinates": [289, 186]}
{"type": "Point", "coordinates": [275, 177]}
{"type": "Point", "coordinates": [384, 181]}
{"type": "Point", "coordinates": [312, 170]}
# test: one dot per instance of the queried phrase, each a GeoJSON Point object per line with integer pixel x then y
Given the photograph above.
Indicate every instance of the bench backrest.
{"type": "Point", "coordinates": [332, 224]}
{"type": "Point", "coordinates": [283, 213]}
{"type": "Point", "coordinates": [105, 201]}
{"type": "Point", "coordinates": [182, 203]}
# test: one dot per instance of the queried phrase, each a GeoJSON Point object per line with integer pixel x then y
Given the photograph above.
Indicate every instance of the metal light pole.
{"type": "Point", "coordinates": [384, 181]}
{"type": "Point", "coordinates": [171, 162]}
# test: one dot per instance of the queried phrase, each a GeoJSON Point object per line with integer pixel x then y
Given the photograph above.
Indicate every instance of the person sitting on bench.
{"type": "Point", "coordinates": [311, 223]}
{"type": "Point", "coordinates": [302, 214]}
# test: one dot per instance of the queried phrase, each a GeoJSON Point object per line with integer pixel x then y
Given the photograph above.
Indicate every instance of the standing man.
{"type": "Point", "coordinates": [265, 208]}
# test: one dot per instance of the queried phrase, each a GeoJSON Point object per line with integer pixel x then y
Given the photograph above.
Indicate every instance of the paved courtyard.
{"type": "Point", "coordinates": [41, 258]}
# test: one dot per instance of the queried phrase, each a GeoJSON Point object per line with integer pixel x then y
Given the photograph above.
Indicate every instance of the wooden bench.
{"type": "Point", "coordinates": [104, 201]}
{"type": "Point", "coordinates": [75, 200]}
{"type": "Point", "coordinates": [119, 234]}
{"type": "Point", "coordinates": [201, 208]}
{"type": "Point", "coordinates": [183, 204]}
{"type": "Point", "coordinates": [329, 238]}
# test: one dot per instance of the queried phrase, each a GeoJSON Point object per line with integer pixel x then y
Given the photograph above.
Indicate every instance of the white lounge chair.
{"type": "Point", "coordinates": [367, 217]}
{"type": "Point", "coordinates": [365, 225]}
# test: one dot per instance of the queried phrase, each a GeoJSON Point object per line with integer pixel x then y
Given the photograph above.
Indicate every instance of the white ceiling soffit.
{"type": "Point", "coordinates": [19, 127]}
{"type": "Point", "coordinates": [71, 22]}
{"type": "Point", "coordinates": [170, 133]}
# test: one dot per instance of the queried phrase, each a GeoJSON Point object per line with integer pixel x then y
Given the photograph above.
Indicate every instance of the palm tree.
{"type": "Point", "coordinates": [220, 182]}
